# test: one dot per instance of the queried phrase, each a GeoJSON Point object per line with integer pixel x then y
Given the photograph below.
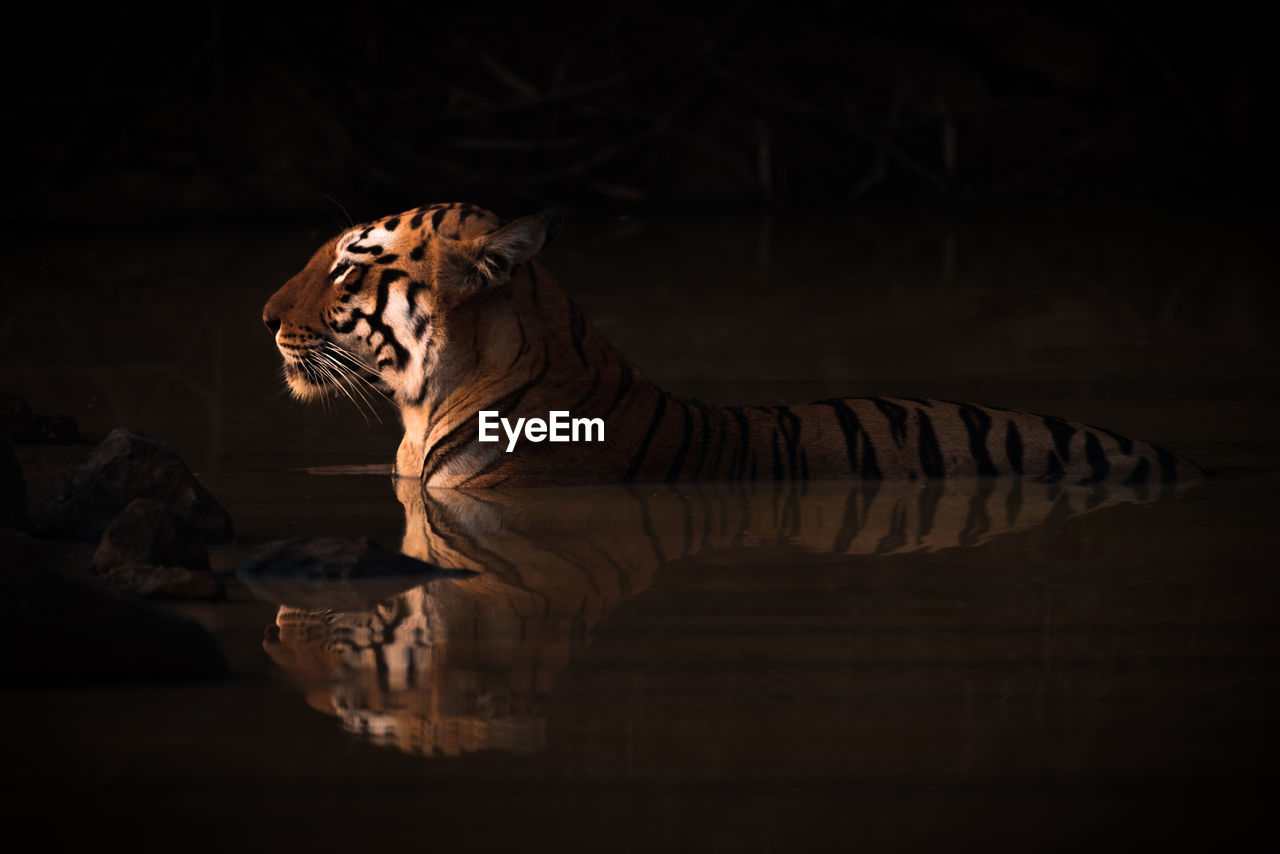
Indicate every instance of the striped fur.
{"type": "Point", "coordinates": [445, 310]}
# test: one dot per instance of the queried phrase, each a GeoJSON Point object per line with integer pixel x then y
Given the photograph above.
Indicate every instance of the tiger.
{"type": "Point", "coordinates": [468, 661]}
{"type": "Point", "coordinates": [446, 310]}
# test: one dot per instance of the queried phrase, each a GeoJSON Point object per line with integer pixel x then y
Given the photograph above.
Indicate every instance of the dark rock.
{"type": "Point", "coordinates": [166, 582]}
{"type": "Point", "coordinates": [333, 573]}
{"type": "Point", "coordinates": [128, 464]}
{"type": "Point", "coordinates": [331, 557]}
{"type": "Point", "coordinates": [24, 427]}
{"type": "Point", "coordinates": [13, 489]}
{"type": "Point", "coordinates": [56, 629]}
{"type": "Point", "coordinates": [147, 531]}
{"type": "Point", "coordinates": [342, 595]}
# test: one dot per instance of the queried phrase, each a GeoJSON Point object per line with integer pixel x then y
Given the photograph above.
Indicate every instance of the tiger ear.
{"type": "Point", "coordinates": [493, 257]}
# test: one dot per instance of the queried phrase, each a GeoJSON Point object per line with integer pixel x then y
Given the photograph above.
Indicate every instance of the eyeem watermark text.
{"type": "Point", "coordinates": [558, 427]}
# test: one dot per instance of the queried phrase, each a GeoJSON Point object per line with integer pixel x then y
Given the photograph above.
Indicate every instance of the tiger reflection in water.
{"type": "Point", "coordinates": [465, 664]}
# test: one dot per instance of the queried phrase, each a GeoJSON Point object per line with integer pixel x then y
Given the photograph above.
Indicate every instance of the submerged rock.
{"type": "Point", "coordinates": [24, 427]}
{"type": "Point", "coordinates": [331, 573]}
{"type": "Point", "coordinates": [166, 582]}
{"type": "Point", "coordinates": [128, 464]}
{"type": "Point", "coordinates": [13, 488]}
{"type": "Point", "coordinates": [148, 531]}
{"type": "Point", "coordinates": [57, 629]}
{"type": "Point", "coordinates": [332, 558]}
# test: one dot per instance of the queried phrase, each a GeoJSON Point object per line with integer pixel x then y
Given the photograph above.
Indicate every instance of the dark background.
{"type": "Point", "coordinates": [162, 113]}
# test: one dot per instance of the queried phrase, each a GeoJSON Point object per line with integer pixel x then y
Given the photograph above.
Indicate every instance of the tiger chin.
{"type": "Point", "coordinates": [445, 310]}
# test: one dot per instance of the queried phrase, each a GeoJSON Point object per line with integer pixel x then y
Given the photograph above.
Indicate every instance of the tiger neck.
{"type": "Point", "coordinates": [543, 357]}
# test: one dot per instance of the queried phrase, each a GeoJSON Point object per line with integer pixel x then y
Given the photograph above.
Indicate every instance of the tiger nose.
{"type": "Point", "coordinates": [270, 319]}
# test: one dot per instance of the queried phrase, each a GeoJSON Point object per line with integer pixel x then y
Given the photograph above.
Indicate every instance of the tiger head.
{"type": "Point", "coordinates": [399, 303]}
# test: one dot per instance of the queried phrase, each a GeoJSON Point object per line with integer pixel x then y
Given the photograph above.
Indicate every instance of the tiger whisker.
{"type": "Point", "coordinates": [351, 358]}
{"type": "Point", "coordinates": [336, 376]}
{"type": "Point", "coordinates": [345, 373]}
{"type": "Point", "coordinates": [356, 362]}
{"type": "Point", "coordinates": [342, 379]}
{"type": "Point", "coordinates": [355, 381]}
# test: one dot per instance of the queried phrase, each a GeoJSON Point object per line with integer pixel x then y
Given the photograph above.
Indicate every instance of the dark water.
{"type": "Point", "coordinates": [904, 668]}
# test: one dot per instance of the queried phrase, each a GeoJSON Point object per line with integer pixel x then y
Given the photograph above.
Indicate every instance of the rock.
{"type": "Point", "coordinates": [166, 582]}
{"type": "Point", "coordinates": [332, 558]}
{"type": "Point", "coordinates": [128, 464]}
{"type": "Point", "coordinates": [13, 489]}
{"type": "Point", "coordinates": [147, 531]}
{"type": "Point", "coordinates": [56, 629]}
{"type": "Point", "coordinates": [24, 427]}
{"type": "Point", "coordinates": [317, 573]}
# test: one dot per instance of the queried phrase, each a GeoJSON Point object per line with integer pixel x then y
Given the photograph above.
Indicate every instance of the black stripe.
{"type": "Point", "coordinates": [1061, 509]}
{"type": "Point", "coordinates": [1062, 433]}
{"type": "Point", "coordinates": [1013, 446]}
{"type": "Point", "coordinates": [376, 323]}
{"type": "Point", "coordinates": [1168, 465]}
{"type": "Point", "coordinates": [392, 224]}
{"type": "Point", "coordinates": [437, 218]}
{"type": "Point", "coordinates": [389, 276]}
{"type": "Point", "coordinates": [930, 498]}
{"type": "Point", "coordinates": [1052, 469]}
{"type": "Point", "coordinates": [706, 437]}
{"type": "Point", "coordinates": [896, 416]}
{"type": "Point", "coordinates": [777, 454]}
{"type": "Point", "coordinates": [1140, 472]}
{"type": "Point", "coordinates": [1123, 442]}
{"type": "Point", "coordinates": [856, 513]}
{"type": "Point", "coordinates": [349, 324]}
{"type": "Point", "coordinates": [415, 287]}
{"type": "Point", "coordinates": [627, 376]}
{"type": "Point", "coordinates": [897, 536]}
{"type": "Point", "coordinates": [720, 433]}
{"type": "Point", "coordinates": [686, 434]}
{"type": "Point", "coordinates": [744, 442]}
{"type": "Point", "coordinates": [978, 424]}
{"type": "Point", "coordinates": [790, 425]}
{"type": "Point", "coordinates": [867, 465]}
{"type": "Point", "coordinates": [978, 522]}
{"type": "Point", "coordinates": [495, 462]}
{"type": "Point", "coordinates": [1013, 504]}
{"type": "Point", "coordinates": [648, 438]}
{"type": "Point", "coordinates": [930, 454]}
{"type": "Point", "coordinates": [416, 221]}
{"type": "Point", "coordinates": [1099, 465]}
{"type": "Point", "coordinates": [455, 442]}
{"type": "Point", "coordinates": [870, 467]}
{"type": "Point", "coordinates": [849, 426]}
